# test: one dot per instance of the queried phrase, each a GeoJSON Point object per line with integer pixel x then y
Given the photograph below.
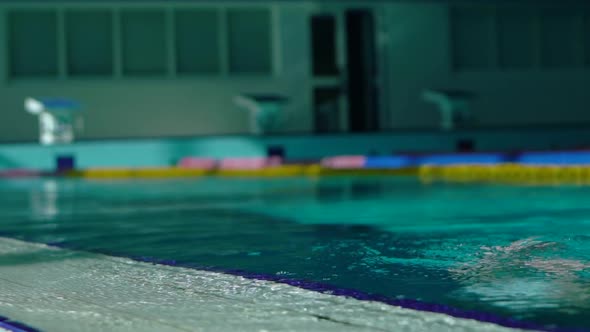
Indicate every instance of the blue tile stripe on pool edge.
{"type": "Point", "coordinates": [14, 326]}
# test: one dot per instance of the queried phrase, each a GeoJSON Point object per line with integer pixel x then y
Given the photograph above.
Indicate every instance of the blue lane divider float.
{"type": "Point", "coordinates": [389, 162]}
{"type": "Point", "coordinates": [463, 158]}
{"type": "Point", "coordinates": [401, 161]}
{"type": "Point", "coordinates": [530, 158]}
{"type": "Point", "coordinates": [555, 158]}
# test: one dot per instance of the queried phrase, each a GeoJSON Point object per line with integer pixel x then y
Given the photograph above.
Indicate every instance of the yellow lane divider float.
{"type": "Point", "coordinates": [506, 173]}
{"type": "Point", "coordinates": [500, 173]}
{"type": "Point", "coordinates": [275, 171]}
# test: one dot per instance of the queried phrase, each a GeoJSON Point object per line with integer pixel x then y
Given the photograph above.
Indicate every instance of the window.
{"type": "Point", "coordinates": [249, 39]}
{"type": "Point", "coordinates": [197, 41]}
{"type": "Point", "coordinates": [472, 38]}
{"type": "Point", "coordinates": [516, 38]}
{"type": "Point", "coordinates": [143, 34]}
{"type": "Point", "coordinates": [32, 43]}
{"type": "Point", "coordinates": [559, 38]}
{"type": "Point", "coordinates": [89, 42]}
{"type": "Point", "coordinates": [526, 37]}
{"type": "Point", "coordinates": [587, 36]}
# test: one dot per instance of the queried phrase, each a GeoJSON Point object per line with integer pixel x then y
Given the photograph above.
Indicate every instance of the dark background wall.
{"type": "Point", "coordinates": [528, 65]}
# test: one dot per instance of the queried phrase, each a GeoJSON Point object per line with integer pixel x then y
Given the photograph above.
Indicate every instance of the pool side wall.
{"type": "Point", "coordinates": [167, 151]}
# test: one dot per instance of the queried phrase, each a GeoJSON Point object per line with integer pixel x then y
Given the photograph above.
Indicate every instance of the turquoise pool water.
{"type": "Point", "coordinates": [515, 252]}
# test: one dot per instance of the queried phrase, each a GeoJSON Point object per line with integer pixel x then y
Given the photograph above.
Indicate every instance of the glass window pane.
{"type": "Point", "coordinates": [197, 41]}
{"type": "Point", "coordinates": [559, 38]}
{"type": "Point", "coordinates": [472, 38]}
{"type": "Point", "coordinates": [144, 42]}
{"type": "Point", "coordinates": [587, 36]}
{"type": "Point", "coordinates": [249, 41]}
{"type": "Point", "coordinates": [32, 43]}
{"type": "Point", "coordinates": [89, 42]}
{"type": "Point", "coordinates": [516, 38]}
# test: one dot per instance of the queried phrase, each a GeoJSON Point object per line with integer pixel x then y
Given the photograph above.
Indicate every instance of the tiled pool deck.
{"type": "Point", "coordinates": [54, 289]}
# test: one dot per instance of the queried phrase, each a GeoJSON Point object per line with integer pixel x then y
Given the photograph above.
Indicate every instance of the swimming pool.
{"type": "Point", "coordinates": [515, 255]}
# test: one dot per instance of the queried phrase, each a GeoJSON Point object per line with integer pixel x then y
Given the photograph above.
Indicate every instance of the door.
{"type": "Point", "coordinates": [343, 66]}
{"type": "Point", "coordinates": [362, 71]}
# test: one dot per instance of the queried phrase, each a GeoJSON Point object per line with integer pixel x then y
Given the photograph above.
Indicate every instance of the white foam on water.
{"type": "Point", "coordinates": [62, 290]}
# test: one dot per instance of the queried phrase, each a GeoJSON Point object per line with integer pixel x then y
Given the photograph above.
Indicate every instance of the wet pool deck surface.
{"type": "Point", "coordinates": [54, 289]}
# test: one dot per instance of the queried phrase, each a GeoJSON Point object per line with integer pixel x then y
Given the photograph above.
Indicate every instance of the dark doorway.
{"type": "Point", "coordinates": [326, 109]}
{"type": "Point", "coordinates": [353, 83]}
{"type": "Point", "coordinates": [324, 55]}
{"type": "Point", "coordinates": [362, 90]}
{"type": "Point", "coordinates": [323, 45]}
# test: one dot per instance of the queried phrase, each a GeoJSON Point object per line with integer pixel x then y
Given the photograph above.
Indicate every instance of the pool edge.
{"type": "Point", "coordinates": [328, 289]}
{"type": "Point", "coordinates": [15, 326]}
